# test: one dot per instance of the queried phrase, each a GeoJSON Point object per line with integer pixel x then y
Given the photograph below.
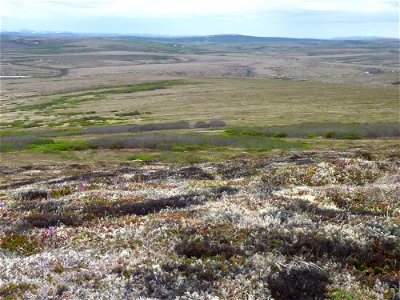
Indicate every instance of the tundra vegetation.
{"type": "Point", "coordinates": [186, 169]}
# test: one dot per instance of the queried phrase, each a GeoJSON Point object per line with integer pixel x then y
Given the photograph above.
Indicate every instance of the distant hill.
{"type": "Point", "coordinates": [236, 38]}
{"type": "Point", "coordinates": [358, 38]}
{"type": "Point", "coordinates": [219, 38]}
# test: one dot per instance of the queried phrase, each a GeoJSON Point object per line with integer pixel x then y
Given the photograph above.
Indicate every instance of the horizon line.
{"type": "Point", "coordinates": [155, 35]}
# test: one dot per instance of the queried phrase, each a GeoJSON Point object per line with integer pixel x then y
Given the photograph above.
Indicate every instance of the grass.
{"type": "Point", "coordinates": [140, 157]}
{"type": "Point", "coordinates": [341, 294]}
{"type": "Point", "coordinates": [57, 146]}
{"type": "Point", "coordinates": [53, 48]}
{"type": "Point", "coordinates": [326, 130]}
{"type": "Point", "coordinates": [43, 144]}
{"type": "Point", "coordinates": [22, 124]}
{"type": "Point", "coordinates": [129, 114]}
{"type": "Point", "coordinates": [268, 102]}
{"type": "Point", "coordinates": [82, 122]}
{"type": "Point", "coordinates": [96, 95]}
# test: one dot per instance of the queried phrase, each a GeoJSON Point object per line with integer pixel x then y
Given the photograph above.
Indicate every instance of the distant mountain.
{"type": "Point", "coordinates": [237, 38]}
{"type": "Point", "coordinates": [358, 38]}
{"type": "Point", "coordinates": [219, 38]}
{"type": "Point", "coordinates": [53, 33]}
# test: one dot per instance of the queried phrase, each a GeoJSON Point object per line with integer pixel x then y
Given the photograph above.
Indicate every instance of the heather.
{"type": "Point", "coordinates": [292, 225]}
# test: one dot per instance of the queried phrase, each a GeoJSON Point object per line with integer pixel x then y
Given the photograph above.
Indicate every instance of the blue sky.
{"type": "Point", "coordinates": [287, 18]}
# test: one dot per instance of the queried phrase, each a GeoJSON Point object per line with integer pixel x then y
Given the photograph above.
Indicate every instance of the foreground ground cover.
{"type": "Point", "coordinates": [293, 225]}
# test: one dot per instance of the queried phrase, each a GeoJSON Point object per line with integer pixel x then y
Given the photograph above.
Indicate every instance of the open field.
{"type": "Point", "coordinates": [362, 62]}
{"type": "Point", "coordinates": [199, 168]}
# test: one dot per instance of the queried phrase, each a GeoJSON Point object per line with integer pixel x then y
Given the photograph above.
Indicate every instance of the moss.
{"type": "Point", "coordinates": [19, 243]}
{"type": "Point", "coordinates": [340, 294]}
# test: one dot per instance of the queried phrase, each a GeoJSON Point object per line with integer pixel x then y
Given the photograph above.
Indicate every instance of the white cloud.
{"type": "Point", "coordinates": [294, 18]}
{"type": "Point", "coordinates": [184, 8]}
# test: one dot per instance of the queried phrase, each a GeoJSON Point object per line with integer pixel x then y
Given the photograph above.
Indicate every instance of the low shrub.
{"type": "Point", "coordinates": [212, 124]}
{"type": "Point", "coordinates": [136, 128]}
{"type": "Point", "coordinates": [32, 194]}
{"type": "Point", "coordinates": [121, 208]}
{"type": "Point", "coordinates": [193, 172]}
{"type": "Point", "coordinates": [129, 114]}
{"type": "Point", "coordinates": [218, 241]}
{"type": "Point", "coordinates": [189, 141]}
{"type": "Point", "coordinates": [206, 273]}
{"type": "Point", "coordinates": [21, 141]}
{"type": "Point", "coordinates": [216, 123]}
{"type": "Point", "coordinates": [201, 124]}
{"type": "Point", "coordinates": [338, 172]}
{"type": "Point", "coordinates": [203, 248]}
{"type": "Point", "coordinates": [327, 130]}
{"type": "Point", "coordinates": [298, 282]}
{"type": "Point", "coordinates": [329, 134]}
{"type": "Point", "coordinates": [45, 220]}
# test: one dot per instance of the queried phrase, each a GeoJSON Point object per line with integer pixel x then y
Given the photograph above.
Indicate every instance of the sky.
{"type": "Point", "coordinates": [276, 18]}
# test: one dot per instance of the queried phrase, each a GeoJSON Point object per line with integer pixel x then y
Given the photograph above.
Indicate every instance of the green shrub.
{"type": "Point", "coordinates": [141, 157]}
{"type": "Point", "coordinates": [257, 149]}
{"type": "Point", "coordinates": [179, 148]}
{"type": "Point", "coordinates": [57, 146]}
{"type": "Point", "coordinates": [329, 134]}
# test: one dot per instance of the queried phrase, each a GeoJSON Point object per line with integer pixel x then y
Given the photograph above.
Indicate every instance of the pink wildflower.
{"type": "Point", "coordinates": [81, 187]}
